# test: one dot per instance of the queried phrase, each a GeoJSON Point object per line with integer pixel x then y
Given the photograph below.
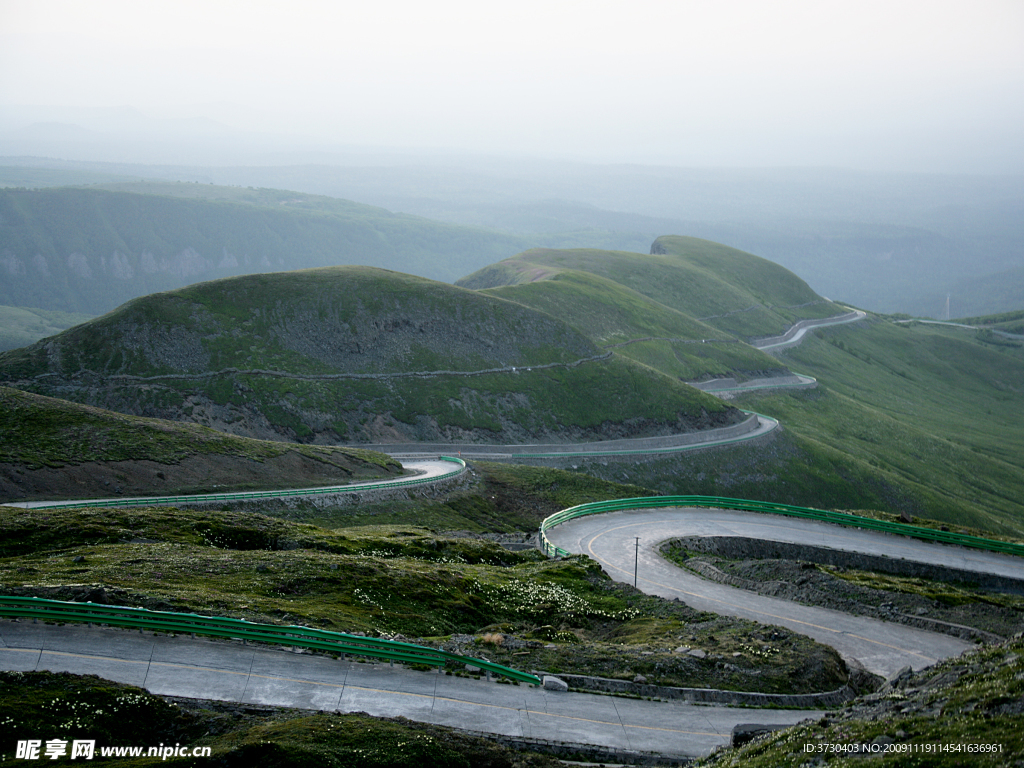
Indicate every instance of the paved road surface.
{"type": "Point", "coordinates": [810, 325]}
{"type": "Point", "coordinates": [422, 469]}
{"type": "Point", "coordinates": [229, 671]}
{"type": "Point", "coordinates": [624, 447]}
{"type": "Point", "coordinates": [882, 647]}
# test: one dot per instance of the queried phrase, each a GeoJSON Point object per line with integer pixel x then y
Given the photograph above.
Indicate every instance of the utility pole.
{"type": "Point", "coordinates": [636, 561]}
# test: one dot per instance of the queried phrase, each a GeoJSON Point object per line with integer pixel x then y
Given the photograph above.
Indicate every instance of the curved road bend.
{"type": "Point", "coordinates": [423, 469]}
{"type": "Point", "coordinates": [727, 385]}
{"type": "Point", "coordinates": [810, 325]}
{"type": "Point", "coordinates": [624, 447]}
{"type": "Point", "coordinates": [882, 647]}
{"type": "Point", "coordinates": [179, 666]}
{"type": "Point", "coordinates": [229, 671]}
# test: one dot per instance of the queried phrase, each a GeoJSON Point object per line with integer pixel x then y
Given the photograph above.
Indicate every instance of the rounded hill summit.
{"type": "Point", "coordinates": [357, 354]}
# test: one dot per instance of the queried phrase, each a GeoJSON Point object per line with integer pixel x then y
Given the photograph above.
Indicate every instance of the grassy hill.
{"type": "Point", "coordinates": [1007, 322]}
{"type": "Point", "coordinates": [727, 289]}
{"type": "Point", "coordinates": [924, 718]}
{"type": "Point", "coordinates": [941, 408]}
{"type": "Point", "coordinates": [23, 325]}
{"type": "Point", "coordinates": [916, 418]}
{"type": "Point", "coordinates": [913, 418]}
{"type": "Point", "coordinates": [638, 327]}
{"type": "Point", "coordinates": [88, 250]}
{"type": "Point", "coordinates": [357, 354]}
{"type": "Point", "coordinates": [56, 449]}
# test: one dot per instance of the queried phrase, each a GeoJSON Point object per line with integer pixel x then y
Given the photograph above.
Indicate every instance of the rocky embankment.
{"type": "Point", "coordinates": [962, 711]}
{"type": "Point", "coordinates": [54, 449]}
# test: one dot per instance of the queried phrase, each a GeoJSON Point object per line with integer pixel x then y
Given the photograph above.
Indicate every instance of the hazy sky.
{"type": "Point", "coordinates": [895, 85]}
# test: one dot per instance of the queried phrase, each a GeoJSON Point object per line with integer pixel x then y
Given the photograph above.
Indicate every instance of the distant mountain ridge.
{"type": "Point", "coordinates": [90, 250]}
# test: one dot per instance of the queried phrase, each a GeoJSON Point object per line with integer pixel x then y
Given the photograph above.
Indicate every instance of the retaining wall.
{"type": "Point", "coordinates": [743, 548]}
{"type": "Point", "coordinates": [826, 700]}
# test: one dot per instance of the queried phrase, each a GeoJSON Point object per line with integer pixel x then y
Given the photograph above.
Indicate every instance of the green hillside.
{"type": "Point", "coordinates": [799, 465]}
{"type": "Point", "coordinates": [638, 327]}
{"type": "Point", "coordinates": [940, 408]}
{"type": "Point", "coordinates": [55, 449]}
{"type": "Point", "coordinates": [963, 711]}
{"type": "Point", "coordinates": [89, 250]}
{"type": "Point", "coordinates": [1007, 322]}
{"type": "Point", "coordinates": [23, 325]}
{"type": "Point", "coordinates": [357, 354]}
{"type": "Point", "coordinates": [730, 290]}
{"type": "Point", "coordinates": [921, 419]}
{"type": "Point", "coordinates": [917, 418]}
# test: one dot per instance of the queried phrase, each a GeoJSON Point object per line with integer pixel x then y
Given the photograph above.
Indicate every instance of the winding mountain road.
{"type": "Point", "coordinates": [423, 471]}
{"type": "Point", "coordinates": [229, 671]}
{"type": "Point", "coordinates": [882, 647]}
{"type": "Point", "coordinates": [795, 335]}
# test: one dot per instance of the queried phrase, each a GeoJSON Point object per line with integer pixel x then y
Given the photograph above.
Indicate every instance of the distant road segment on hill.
{"type": "Point", "coordinates": [755, 425]}
{"type": "Point", "coordinates": [795, 335]}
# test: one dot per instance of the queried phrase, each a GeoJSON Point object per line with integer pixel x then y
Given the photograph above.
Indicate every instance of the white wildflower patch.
{"type": "Point", "coordinates": [531, 598]}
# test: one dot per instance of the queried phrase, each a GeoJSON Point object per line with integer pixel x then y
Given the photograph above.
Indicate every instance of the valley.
{"type": "Point", "coordinates": [576, 369]}
{"type": "Point", "coordinates": [491, 386]}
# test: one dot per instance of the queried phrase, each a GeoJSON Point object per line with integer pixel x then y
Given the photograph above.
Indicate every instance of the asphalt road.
{"type": "Point", "coordinates": [422, 470]}
{"type": "Point", "coordinates": [623, 447]}
{"type": "Point", "coordinates": [810, 326]}
{"type": "Point", "coordinates": [882, 647]}
{"type": "Point", "coordinates": [230, 671]}
{"type": "Point", "coordinates": [225, 670]}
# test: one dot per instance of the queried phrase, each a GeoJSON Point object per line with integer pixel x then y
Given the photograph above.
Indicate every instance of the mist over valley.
{"type": "Point", "coordinates": [479, 385]}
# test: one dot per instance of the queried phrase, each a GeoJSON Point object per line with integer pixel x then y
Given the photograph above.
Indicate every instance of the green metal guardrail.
{"type": "Point", "coordinates": [838, 518]}
{"type": "Point", "coordinates": [146, 501]}
{"type": "Point", "coordinates": [218, 626]}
